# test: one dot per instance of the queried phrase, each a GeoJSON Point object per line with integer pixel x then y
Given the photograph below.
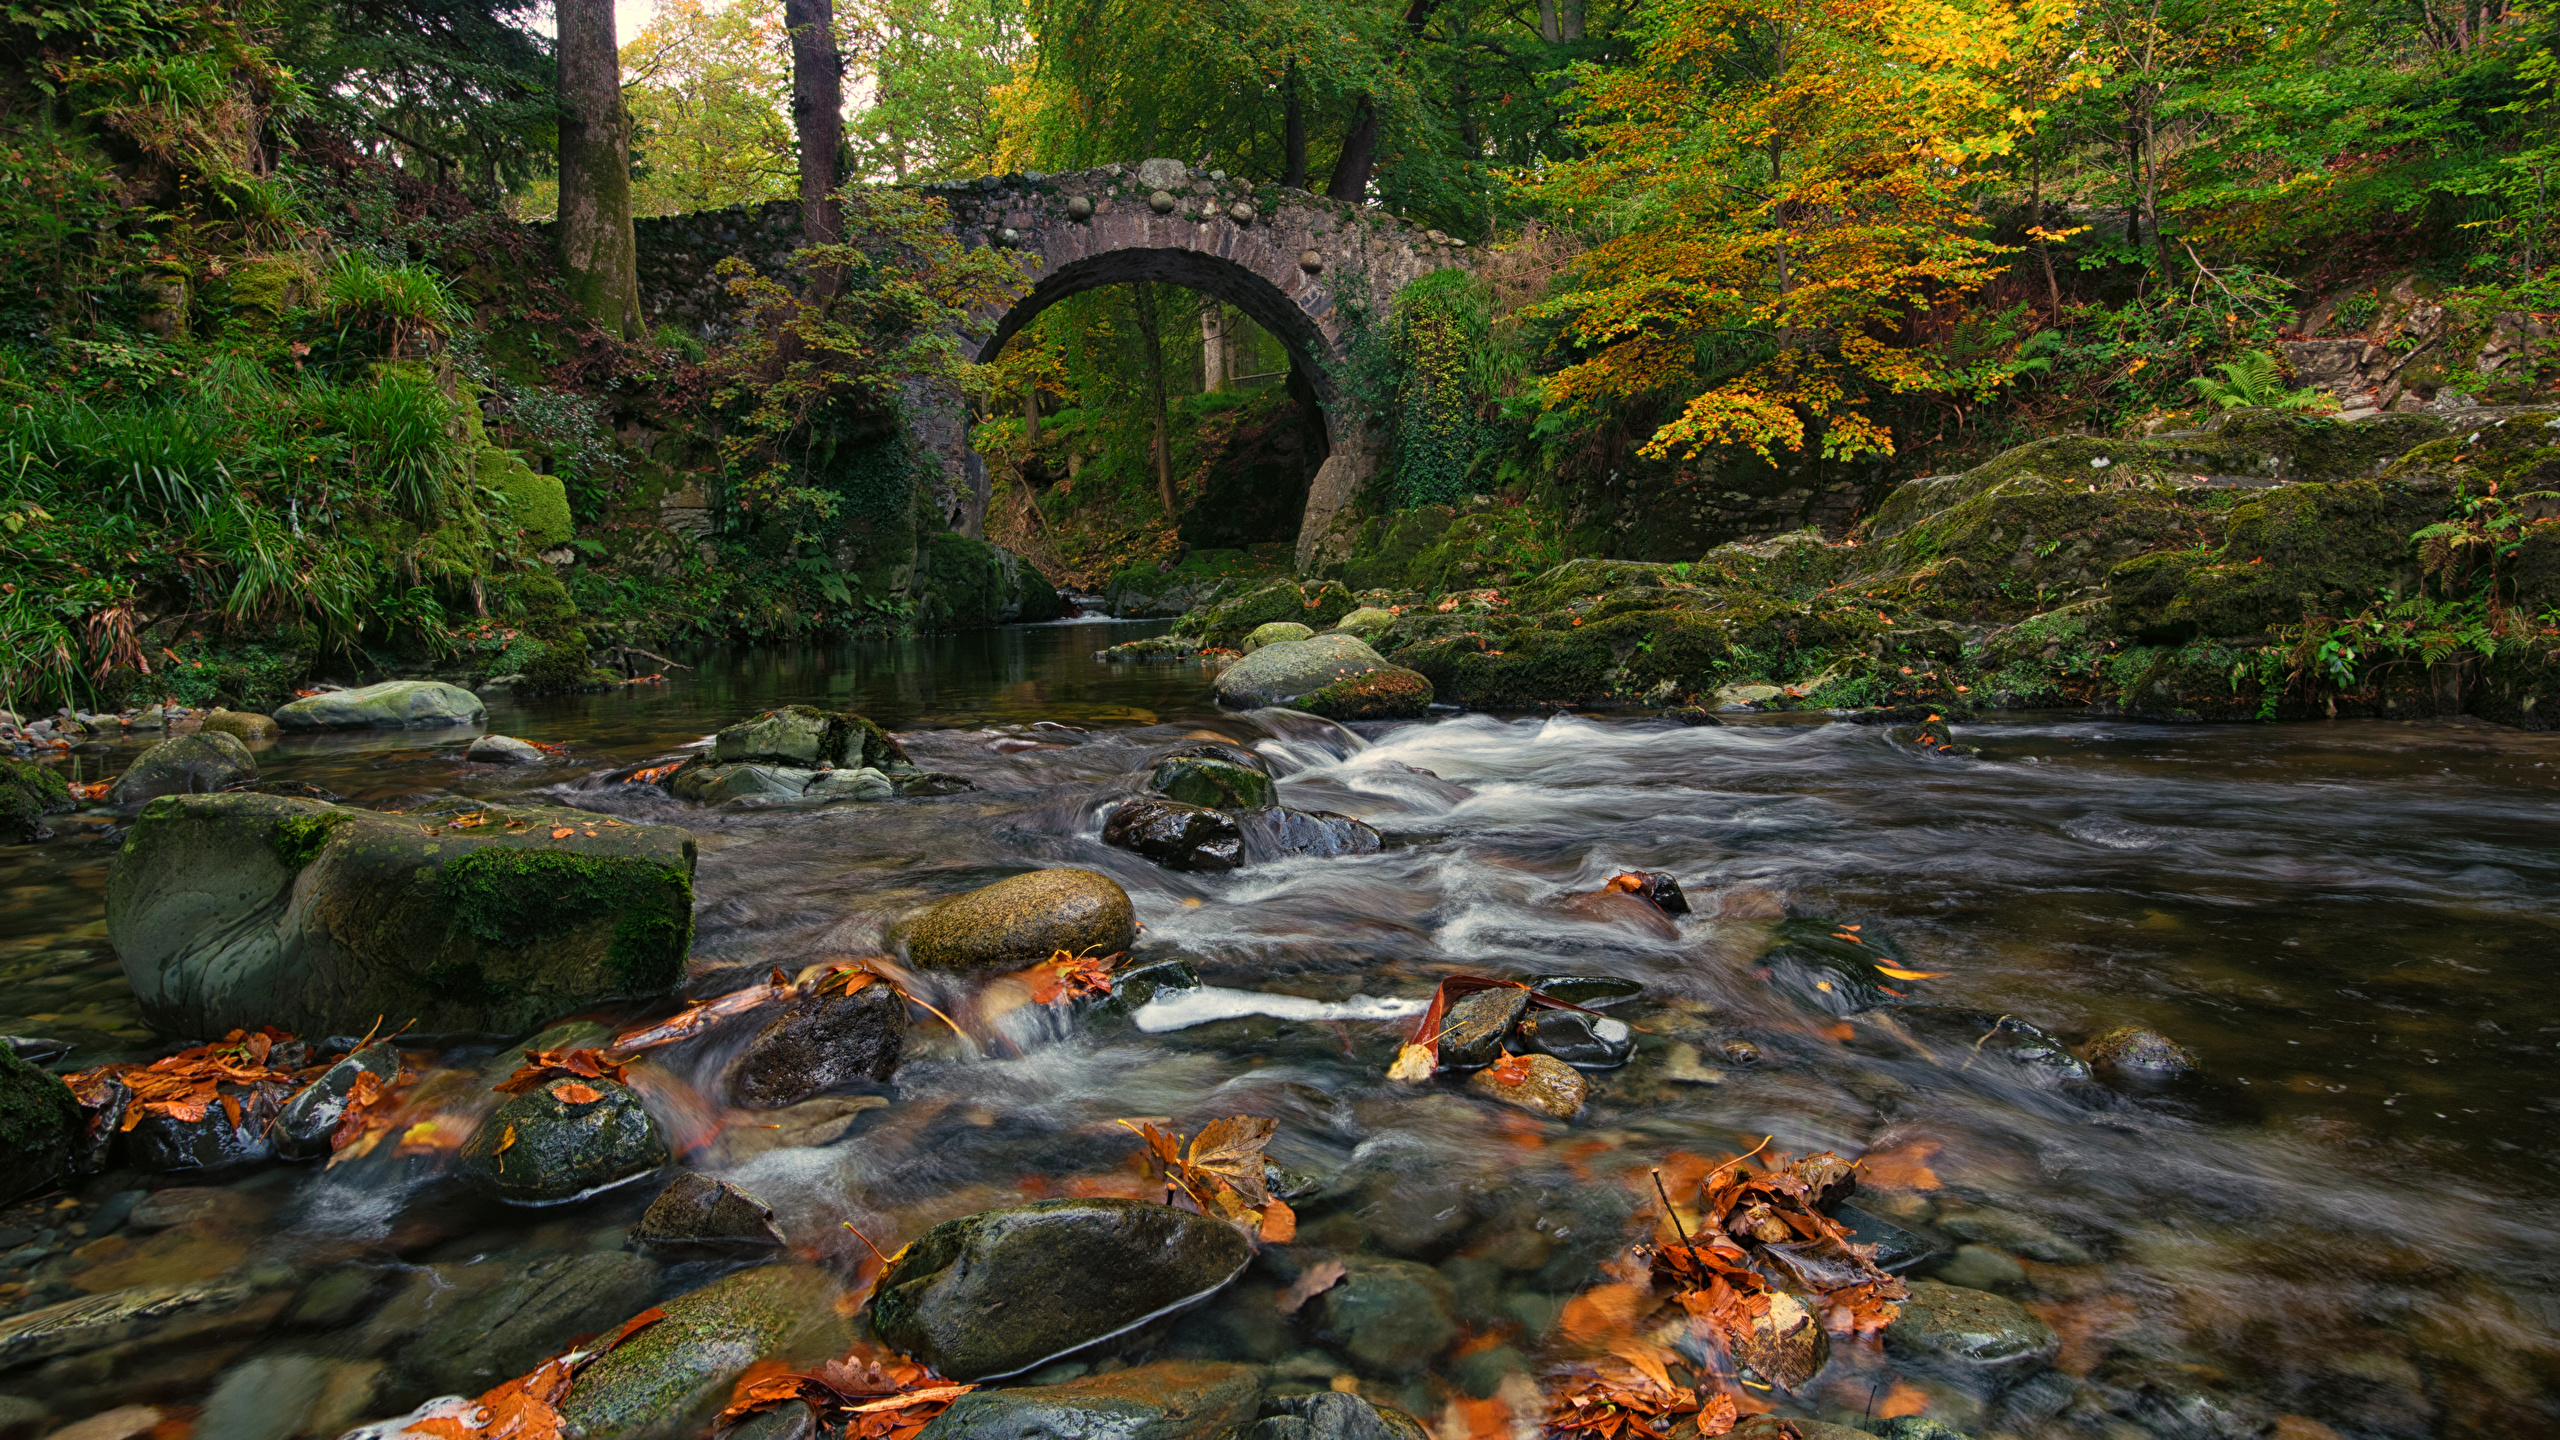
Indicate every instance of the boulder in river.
{"type": "Point", "coordinates": [1473, 1030]}
{"type": "Point", "coordinates": [219, 1139]}
{"type": "Point", "coordinates": [698, 1212]}
{"type": "Point", "coordinates": [1388, 1317]}
{"type": "Point", "coordinates": [28, 793]}
{"type": "Point", "coordinates": [823, 1040]}
{"type": "Point", "coordinates": [1819, 965]}
{"type": "Point", "coordinates": [196, 764]}
{"type": "Point", "coordinates": [503, 750]}
{"type": "Point", "coordinates": [1368, 622]}
{"type": "Point", "coordinates": [1276, 833]}
{"type": "Point", "coordinates": [670, 1377]}
{"type": "Point", "coordinates": [241, 910]}
{"type": "Point", "coordinates": [1541, 1083]}
{"type": "Point", "coordinates": [39, 1121]}
{"type": "Point", "coordinates": [1022, 921]}
{"type": "Point", "coordinates": [809, 738]}
{"type": "Point", "coordinates": [391, 705]}
{"type": "Point", "coordinates": [563, 1139]}
{"type": "Point", "coordinates": [1968, 1329]}
{"type": "Point", "coordinates": [500, 1330]}
{"type": "Point", "coordinates": [1586, 1042]}
{"type": "Point", "coordinates": [1217, 750]}
{"type": "Point", "coordinates": [311, 1117]}
{"type": "Point", "coordinates": [1192, 838]}
{"type": "Point", "coordinates": [1219, 784]}
{"type": "Point", "coordinates": [1165, 1400]}
{"type": "Point", "coordinates": [1394, 693]}
{"type": "Point", "coordinates": [1274, 633]}
{"type": "Point", "coordinates": [244, 725]}
{"type": "Point", "coordinates": [1279, 674]}
{"type": "Point", "coordinates": [1005, 1291]}
{"type": "Point", "coordinates": [2140, 1051]}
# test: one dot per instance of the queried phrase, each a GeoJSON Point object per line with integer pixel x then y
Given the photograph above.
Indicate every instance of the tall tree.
{"type": "Point", "coordinates": [598, 253]}
{"type": "Point", "coordinates": [709, 92]}
{"type": "Point", "coordinates": [817, 116]}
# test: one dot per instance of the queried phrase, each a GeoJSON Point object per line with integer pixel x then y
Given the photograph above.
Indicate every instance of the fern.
{"type": "Point", "coordinates": [2254, 382]}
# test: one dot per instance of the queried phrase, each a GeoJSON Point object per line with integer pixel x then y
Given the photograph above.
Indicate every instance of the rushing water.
{"type": "Point", "coordinates": [2347, 1221]}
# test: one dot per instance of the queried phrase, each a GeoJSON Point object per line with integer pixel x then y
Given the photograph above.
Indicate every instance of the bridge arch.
{"type": "Point", "coordinates": [1301, 266]}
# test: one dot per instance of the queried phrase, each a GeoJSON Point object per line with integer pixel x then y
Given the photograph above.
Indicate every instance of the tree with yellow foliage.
{"type": "Point", "coordinates": [1782, 188]}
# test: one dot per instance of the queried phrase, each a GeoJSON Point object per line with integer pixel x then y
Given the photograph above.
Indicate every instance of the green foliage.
{"type": "Point", "coordinates": [1442, 330]}
{"type": "Point", "coordinates": [2253, 381]}
{"type": "Point", "coordinates": [404, 305]}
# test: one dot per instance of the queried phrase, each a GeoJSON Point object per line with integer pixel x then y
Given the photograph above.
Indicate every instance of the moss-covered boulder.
{"type": "Point", "coordinates": [1005, 1291]}
{"type": "Point", "coordinates": [38, 1122]}
{"type": "Point", "coordinates": [1274, 633]}
{"type": "Point", "coordinates": [1021, 921]}
{"type": "Point", "coordinates": [1394, 693]}
{"type": "Point", "coordinates": [1163, 1400]}
{"type": "Point", "coordinates": [1226, 624]}
{"type": "Point", "coordinates": [537, 504]}
{"type": "Point", "coordinates": [391, 705]}
{"type": "Point", "coordinates": [28, 793]}
{"type": "Point", "coordinates": [806, 737]}
{"type": "Point", "coordinates": [1216, 783]}
{"type": "Point", "coordinates": [247, 726]}
{"type": "Point", "coordinates": [968, 584]}
{"type": "Point", "coordinates": [671, 1377]}
{"type": "Point", "coordinates": [1279, 674]}
{"type": "Point", "coordinates": [197, 764]}
{"type": "Point", "coordinates": [561, 1140]}
{"type": "Point", "coordinates": [1368, 622]}
{"type": "Point", "coordinates": [241, 910]}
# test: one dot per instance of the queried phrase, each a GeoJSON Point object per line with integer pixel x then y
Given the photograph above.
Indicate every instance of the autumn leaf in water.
{"type": "Point", "coordinates": [525, 1408]}
{"type": "Point", "coordinates": [866, 1395]}
{"type": "Point", "coordinates": [544, 1065]}
{"type": "Point", "coordinates": [654, 773]}
{"type": "Point", "coordinates": [1510, 1069]}
{"type": "Point", "coordinates": [562, 832]}
{"type": "Point", "coordinates": [1420, 1057]}
{"type": "Point", "coordinates": [570, 1092]}
{"type": "Point", "coordinates": [1632, 1393]}
{"type": "Point", "coordinates": [187, 1086]}
{"type": "Point", "coordinates": [1311, 1282]}
{"type": "Point", "coordinates": [701, 1015]}
{"type": "Point", "coordinates": [1893, 972]}
{"type": "Point", "coordinates": [1222, 1173]}
{"type": "Point", "coordinates": [1071, 976]}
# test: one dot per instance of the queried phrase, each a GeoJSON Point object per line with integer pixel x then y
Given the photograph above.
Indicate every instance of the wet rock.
{"type": "Point", "coordinates": [1691, 715]}
{"type": "Point", "coordinates": [1897, 1249]}
{"type": "Point", "coordinates": [807, 738]}
{"type": "Point", "coordinates": [1475, 1026]}
{"type": "Point", "coordinates": [1770, 1427]}
{"type": "Point", "coordinates": [240, 910]}
{"type": "Point", "coordinates": [28, 793]}
{"type": "Point", "coordinates": [503, 750]}
{"type": "Point", "coordinates": [1191, 838]}
{"type": "Point", "coordinates": [393, 704]}
{"type": "Point", "coordinates": [1551, 1087]}
{"type": "Point", "coordinates": [2018, 1041]}
{"type": "Point", "coordinates": [708, 783]}
{"type": "Point", "coordinates": [1021, 921]}
{"type": "Point", "coordinates": [1393, 693]}
{"type": "Point", "coordinates": [552, 1143]}
{"type": "Point", "coordinates": [1328, 1414]}
{"type": "Point", "coordinates": [1785, 1345]}
{"type": "Point", "coordinates": [1276, 833]}
{"type": "Point", "coordinates": [217, 1141]}
{"type": "Point", "coordinates": [673, 1375]}
{"type": "Point", "coordinates": [862, 783]}
{"type": "Point", "coordinates": [1979, 1267]}
{"type": "Point", "coordinates": [1935, 740]}
{"type": "Point", "coordinates": [312, 1115]}
{"type": "Point", "coordinates": [125, 1422]}
{"type": "Point", "coordinates": [94, 1322]}
{"type": "Point", "coordinates": [823, 1040]}
{"type": "Point", "coordinates": [197, 764]}
{"type": "Point", "coordinates": [2138, 1051]}
{"type": "Point", "coordinates": [1006, 1291]}
{"type": "Point", "coordinates": [1216, 750]}
{"type": "Point", "coordinates": [1166, 1400]}
{"type": "Point", "coordinates": [1279, 674]}
{"type": "Point", "coordinates": [807, 1125]}
{"type": "Point", "coordinates": [1388, 1317]}
{"type": "Point", "coordinates": [1659, 887]}
{"type": "Point", "coordinates": [1613, 906]}
{"type": "Point", "coordinates": [242, 725]}
{"type": "Point", "coordinates": [1971, 1329]}
{"type": "Point", "coordinates": [1811, 964]}
{"type": "Point", "coordinates": [1274, 633]}
{"type": "Point", "coordinates": [2012, 1231]}
{"type": "Point", "coordinates": [1136, 984]}
{"type": "Point", "coordinates": [39, 1123]}
{"type": "Point", "coordinates": [698, 1211]}
{"type": "Point", "coordinates": [281, 1397]}
{"type": "Point", "coordinates": [1589, 1042]}
{"type": "Point", "coordinates": [1730, 698]}
{"type": "Point", "coordinates": [1218, 784]}
{"type": "Point", "coordinates": [22, 1418]}
{"type": "Point", "coordinates": [501, 1330]}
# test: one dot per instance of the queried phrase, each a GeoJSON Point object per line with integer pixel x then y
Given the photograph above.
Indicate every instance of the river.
{"type": "Point", "coordinates": [2345, 1221]}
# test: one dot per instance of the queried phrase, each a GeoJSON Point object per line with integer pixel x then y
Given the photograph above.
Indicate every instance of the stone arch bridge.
{"type": "Point", "coordinates": [1300, 265]}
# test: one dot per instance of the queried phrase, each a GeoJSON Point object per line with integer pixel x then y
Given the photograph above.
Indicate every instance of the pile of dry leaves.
{"type": "Point", "coordinates": [188, 1085]}
{"type": "Point", "coordinates": [867, 1395]}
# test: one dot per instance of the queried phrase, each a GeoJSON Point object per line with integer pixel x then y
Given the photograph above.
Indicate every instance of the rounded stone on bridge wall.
{"type": "Point", "coordinates": [1079, 208]}
{"type": "Point", "coordinates": [1311, 261]}
{"type": "Point", "coordinates": [1241, 213]}
{"type": "Point", "coordinates": [1161, 202]}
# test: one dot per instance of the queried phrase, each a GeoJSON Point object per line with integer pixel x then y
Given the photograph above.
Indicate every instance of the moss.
{"type": "Point", "coordinates": [1315, 604]}
{"type": "Point", "coordinates": [38, 1120]}
{"type": "Point", "coordinates": [504, 896]}
{"type": "Point", "coordinates": [1378, 695]}
{"type": "Point", "coordinates": [299, 839]}
{"type": "Point", "coordinates": [28, 793]}
{"type": "Point", "coordinates": [539, 504]}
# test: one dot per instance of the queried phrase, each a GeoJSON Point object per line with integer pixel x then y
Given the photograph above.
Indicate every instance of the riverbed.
{"type": "Point", "coordinates": [2344, 1221]}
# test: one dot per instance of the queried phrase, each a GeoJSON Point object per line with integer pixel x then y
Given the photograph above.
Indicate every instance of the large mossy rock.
{"type": "Point", "coordinates": [807, 738]}
{"type": "Point", "coordinates": [1166, 1400]}
{"type": "Point", "coordinates": [28, 793]}
{"type": "Point", "coordinates": [1005, 1291]}
{"type": "Point", "coordinates": [197, 764]}
{"type": "Point", "coordinates": [1021, 921]}
{"type": "Point", "coordinates": [482, 1337]}
{"type": "Point", "coordinates": [391, 705]}
{"type": "Point", "coordinates": [672, 1376]}
{"type": "Point", "coordinates": [1216, 783]}
{"type": "Point", "coordinates": [968, 584]}
{"type": "Point", "coordinates": [38, 1122]}
{"type": "Point", "coordinates": [1279, 674]}
{"type": "Point", "coordinates": [243, 910]}
{"type": "Point", "coordinates": [1394, 693]}
{"type": "Point", "coordinates": [561, 1140]}
{"type": "Point", "coordinates": [1227, 623]}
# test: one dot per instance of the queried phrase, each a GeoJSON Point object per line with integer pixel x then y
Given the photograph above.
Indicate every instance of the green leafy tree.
{"type": "Point", "coordinates": [709, 91]}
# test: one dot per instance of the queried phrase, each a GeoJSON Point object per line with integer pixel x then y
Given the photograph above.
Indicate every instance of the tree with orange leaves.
{"type": "Point", "coordinates": [1784, 185]}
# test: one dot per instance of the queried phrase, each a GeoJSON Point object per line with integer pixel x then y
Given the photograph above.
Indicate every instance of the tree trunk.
{"type": "Point", "coordinates": [2044, 247]}
{"type": "Point", "coordinates": [1550, 26]}
{"type": "Point", "coordinates": [1293, 132]}
{"type": "Point", "coordinates": [599, 257]}
{"type": "Point", "coordinates": [1572, 19]}
{"type": "Point", "coordinates": [817, 116]}
{"type": "Point", "coordinates": [1213, 347]}
{"type": "Point", "coordinates": [1151, 336]}
{"type": "Point", "coordinates": [1350, 182]}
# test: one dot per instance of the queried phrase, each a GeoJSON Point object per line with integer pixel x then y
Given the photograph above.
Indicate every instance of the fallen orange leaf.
{"type": "Point", "coordinates": [573, 1093]}
{"type": "Point", "coordinates": [562, 832]}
